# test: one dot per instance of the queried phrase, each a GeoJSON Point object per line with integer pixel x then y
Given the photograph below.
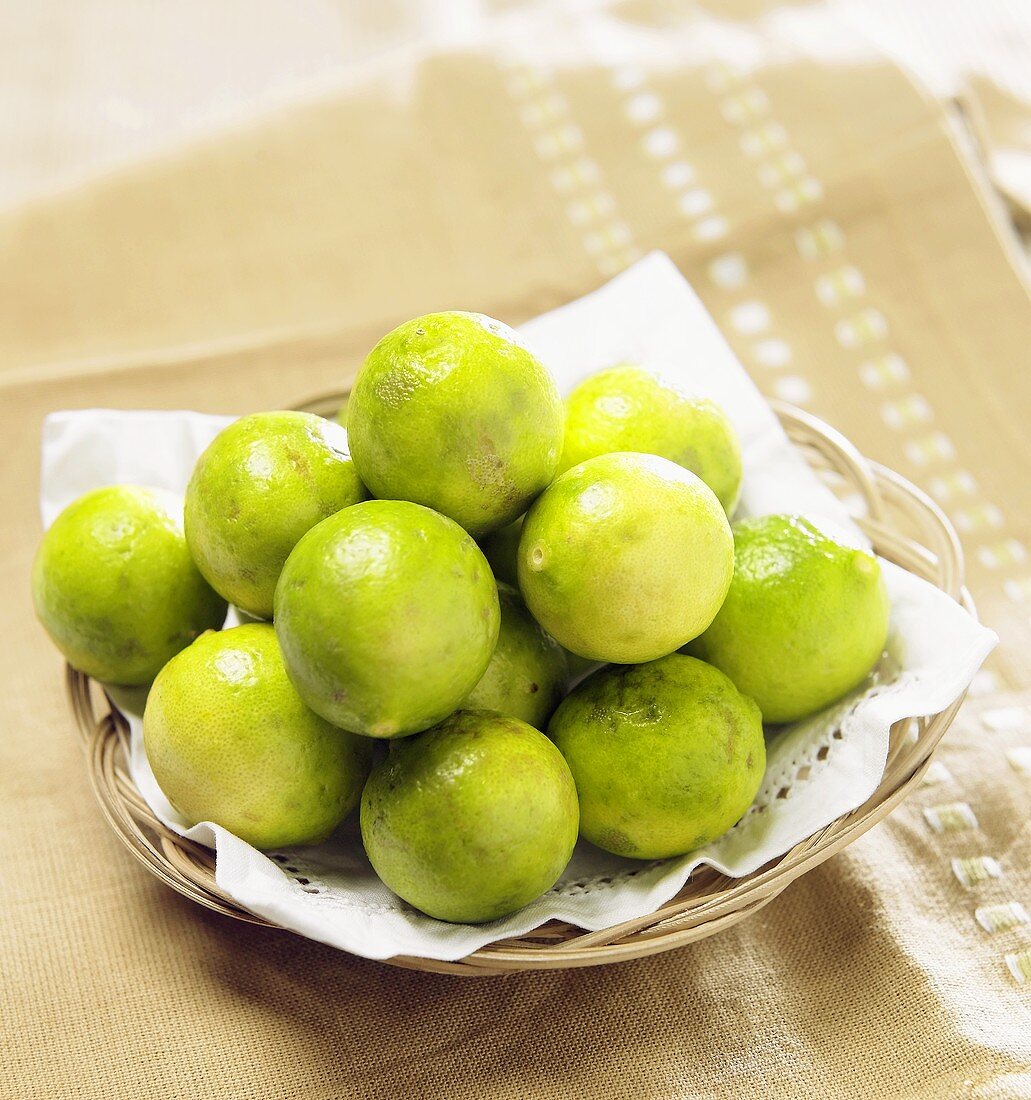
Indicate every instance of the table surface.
{"type": "Point", "coordinates": [93, 87]}
{"type": "Point", "coordinates": [222, 208]}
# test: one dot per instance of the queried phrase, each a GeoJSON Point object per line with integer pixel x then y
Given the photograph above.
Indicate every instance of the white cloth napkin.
{"type": "Point", "coordinates": [650, 315]}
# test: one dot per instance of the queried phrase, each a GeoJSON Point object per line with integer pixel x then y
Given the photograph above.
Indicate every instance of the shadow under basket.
{"type": "Point", "coordinates": [905, 527]}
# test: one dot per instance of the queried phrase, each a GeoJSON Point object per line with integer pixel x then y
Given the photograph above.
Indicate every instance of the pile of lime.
{"type": "Point", "coordinates": [442, 574]}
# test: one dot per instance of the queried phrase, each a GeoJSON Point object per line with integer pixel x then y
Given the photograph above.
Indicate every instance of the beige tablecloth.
{"type": "Point", "coordinates": [856, 259]}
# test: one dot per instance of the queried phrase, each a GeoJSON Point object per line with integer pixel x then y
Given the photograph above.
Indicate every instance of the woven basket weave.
{"type": "Point", "coordinates": [905, 527]}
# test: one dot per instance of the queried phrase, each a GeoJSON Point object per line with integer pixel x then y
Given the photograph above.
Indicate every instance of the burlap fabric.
{"type": "Point", "coordinates": [851, 251]}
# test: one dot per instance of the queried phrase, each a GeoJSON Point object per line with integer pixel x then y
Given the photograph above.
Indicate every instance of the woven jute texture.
{"type": "Point", "coordinates": [856, 262]}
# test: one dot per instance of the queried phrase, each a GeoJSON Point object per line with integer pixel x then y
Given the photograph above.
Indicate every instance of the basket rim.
{"type": "Point", "coordinates": [692, 913]}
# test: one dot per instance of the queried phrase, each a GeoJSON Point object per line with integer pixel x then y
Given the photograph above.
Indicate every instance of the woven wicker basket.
{"type": "Point", "coordinates": [905, 526]}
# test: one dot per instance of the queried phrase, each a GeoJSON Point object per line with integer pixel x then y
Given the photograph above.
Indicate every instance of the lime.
{"type": "Point", "coordinates": [230, 741]}
{"type": "Point", "coordinates": [115, 587]}
{"type": "Point", "coordinates": [666, 756]}
{"type": "Point", "coordinates": [500, 548]}
{"type": "Point", "coordinates": [804, 622]}
{"type": "Point", "coordinates": [388, 615]}
{"type": "Point", "coordinates": [472, 819]}
{"type": "Point", "coordinates": [452, 411]}
{"type": "Point", "coordinates": [627, 408]}
{"type": "Point", "coordinates": [625, 558]}
{"type": "Point", "coordinates": [527, 675]}
{"type": "Point", "coordinates": [263, 482]}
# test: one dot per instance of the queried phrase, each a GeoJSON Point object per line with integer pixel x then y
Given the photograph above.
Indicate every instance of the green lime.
{"type": "Point", "coordinates": [388, 615]}
{"type": "Point", "coordinates": [115, 587]}
{"type": "Point", "coordinates": [527, 675]}
{"type": "Point", "coordinates": [625, 558]}
{"type": "Point", "coordinates": [452, 411]}
{"type": "Point", "coordinates": [627, 408]}
{"type": "Point", "coordinates": [471, 820]}
{"type": "Point", "coordinates": [666, 756]}
{"type": "Point", "coordinates": [263, 482]}
{"type": "Point", "coordinates": [230, 741]}
{"type": "Point", "coordinates": [501, 548]}
{"type": "Point", "coordinates": [804, 622]}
